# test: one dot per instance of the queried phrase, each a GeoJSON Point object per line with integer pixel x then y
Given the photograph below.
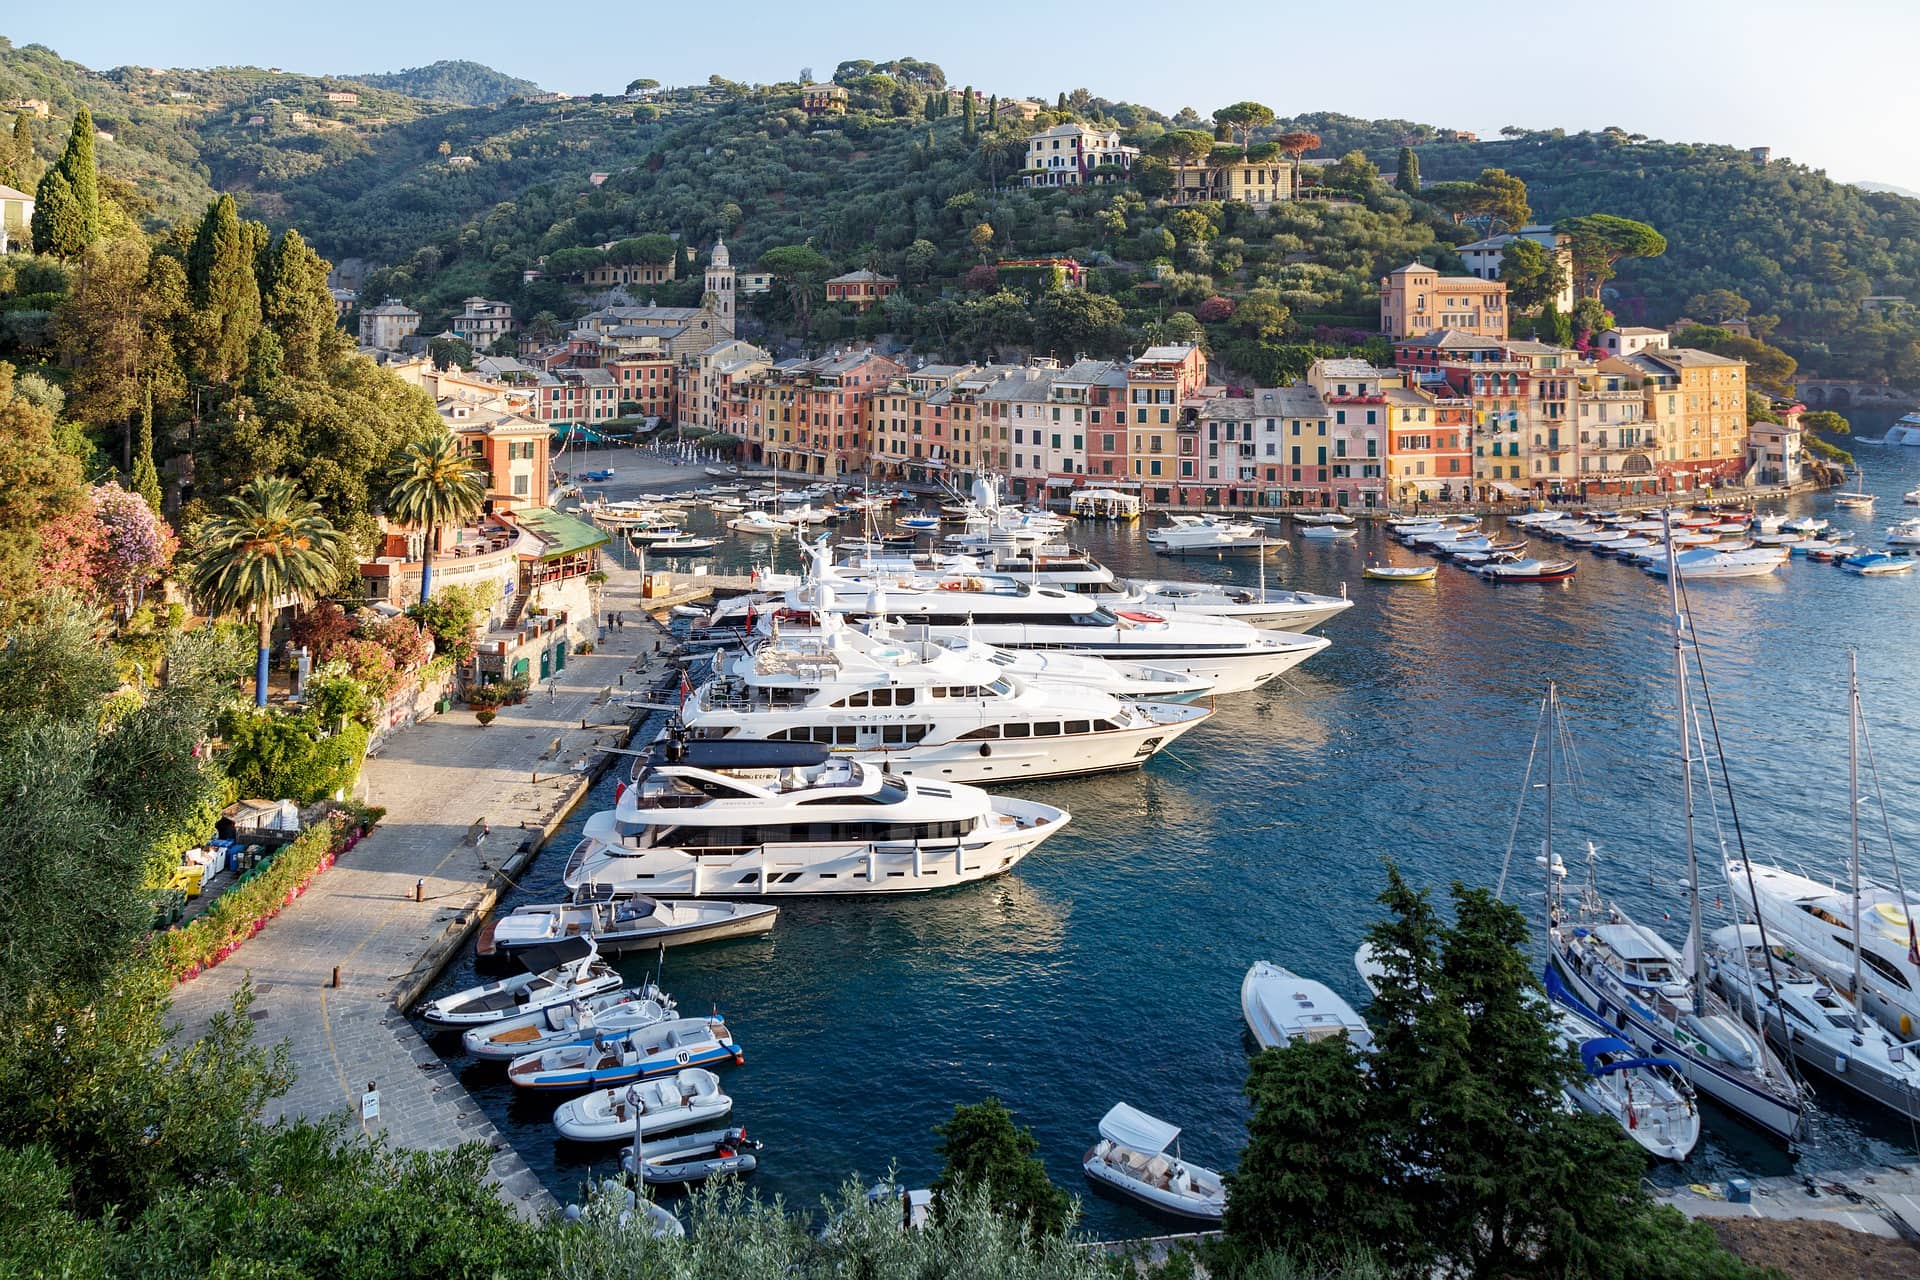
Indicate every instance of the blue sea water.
{"type": "Point", "coordinates": [1108, 965]}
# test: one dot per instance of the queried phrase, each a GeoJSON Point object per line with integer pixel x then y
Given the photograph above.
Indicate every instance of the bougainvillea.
{"type": "Point", "coordinates": [137, 547]}
{"type": "Point", "coordinates": [407, 641]}
{"type": "Point", "coordinates": [370, 664]}
{"type": "Point", "coordinates": [322, 629]}
{"type": "Point", "coordinates": [69, 552]}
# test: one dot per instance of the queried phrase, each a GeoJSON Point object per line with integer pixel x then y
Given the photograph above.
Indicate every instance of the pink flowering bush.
{"type": "Point", "coordinates": [137, 547]}
{"type": "Point", "coordinates": [371, 664]}
{"type": "Point", "coordinates": [410, 644]}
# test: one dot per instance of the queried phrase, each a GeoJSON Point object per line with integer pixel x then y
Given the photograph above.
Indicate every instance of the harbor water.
{"type": "Point", "coordinates": [1107, 966]}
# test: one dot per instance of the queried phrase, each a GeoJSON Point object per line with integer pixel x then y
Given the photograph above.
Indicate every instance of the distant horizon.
{"type": "Point", "coordinates": [1712, 73]}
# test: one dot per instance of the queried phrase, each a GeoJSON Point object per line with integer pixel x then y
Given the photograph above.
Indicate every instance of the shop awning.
{"type": "Point", "coordinates": [1510, 490]}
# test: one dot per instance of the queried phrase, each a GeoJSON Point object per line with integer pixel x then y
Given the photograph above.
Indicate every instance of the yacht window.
{"type": "Point", "coordinates": [903, 697]}
{"type": "Point", "coordinates": [857, 699]}
{"type": "Point", "coordinates": [938, 691]}
{"type": "Point", "coordinates": [984, 731]}
{"type": "Point", "coordinates": [1000, 688]}
{"type": "Point", "coordinates": [1019, 731]}
{"type": "Point", "coordinates": [844, 735]}
{"type": "Point", "coordinates": [1047, 729]}
{"type": "Point", "coordinates": [894, 735]}
{"type": "Point", "coordinates": [883, 697]}
{"type": "Point", "coordinates": [1886, 969]}
{"type": "Point", "coordinates": [1104, 726]}
{"type": "Point", "coordinates": [1079, 726]}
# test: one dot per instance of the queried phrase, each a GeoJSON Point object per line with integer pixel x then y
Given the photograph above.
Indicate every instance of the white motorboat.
{"type": "Point", "coordinates": [758, 522]}
{"type": "Point", "coordinates": [684, 544]}
{"type": "Point", "coordinates": [1311, 518]}
{"type": "Point", "coordinates": [1131, 1158]}
{"type": "Point", "coordinates": [808, 514]}
{"type": "Point", "coordinates": [1905, 431]}
{"type": "Point", "coordinates": [761, 819]}
{"type": "Point", "coordinates": [694, 1157]}
{"type": "Point", "coordinates": [1769, 521]}
{"type": "Point", "coordinates": [1805, 525]}
{"type": "Point", "coordinates": [688, 1097]}
{"type": "Point", "coordinates": [1280, 1006]}
{"type": "Point", "coordinates": [1904, 534]}
{"type": "Point", "coordinates": [1648, 1097]}
{"type": "Point", "coordinates": [558, 973]}
{"type": "Point", "coordinates": [723, 473]}
{"type": "Point", "coordinates": [920, 709]}
{"type": "Point", "coordinates": [610, 1014]}
{"type": "Point", "coordinates": [658, 1049]}
{"type": "Point", "coordinates": [1207, 536]}
{"type": "Point", "coordinates": [1878, 563]}
{"type": "Point", "coordinates": [1699, 564]}
{"type": "Point", "coordinates": [1530, 569]}
{"type": "Point", "coordinates": [1538, 519]}
{"type": "Point", "coordinates": [1804, 1016]}
{"type": "Point", "coordinates": [1911, 498]}
{"type": "Point", "coordinates": [1327, 533]}
{"type": "Point", "coordinates": [630, 923]}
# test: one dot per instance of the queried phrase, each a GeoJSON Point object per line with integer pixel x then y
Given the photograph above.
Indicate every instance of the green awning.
{"type": "Point", "coordinates": [563, 535]}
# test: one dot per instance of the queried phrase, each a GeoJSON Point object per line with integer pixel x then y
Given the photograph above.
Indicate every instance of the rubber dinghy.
{"type": "Point", "coordinates": [693, 1158]}
{"type": "Point", "coordinates": [687, 1098]}
{"type": "Point", "coordinates": [1131, 1158]}
{"type": "Point", "coordinates": [611, 1014]}
{"type": "Point", "coordinates": [659, 1050]}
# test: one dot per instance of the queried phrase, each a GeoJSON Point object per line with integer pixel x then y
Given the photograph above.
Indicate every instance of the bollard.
{"type": "Point", "coordinates": [420, 889]}
{"type": "Point", "coordinates": [335, 984]}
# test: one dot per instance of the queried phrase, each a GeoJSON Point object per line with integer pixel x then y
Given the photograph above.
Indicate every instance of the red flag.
{"type": "Point", "coordinates": [1913, 946]}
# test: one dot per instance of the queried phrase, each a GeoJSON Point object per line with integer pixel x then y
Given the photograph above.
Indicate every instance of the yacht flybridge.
{"type": "Point", "coordinates": [734, 819]}
{"type": "Point", "coordinates": [919, 708]}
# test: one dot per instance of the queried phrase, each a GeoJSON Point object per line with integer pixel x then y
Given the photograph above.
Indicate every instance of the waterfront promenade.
{"type": "Point", "coordinates": [438, 781]}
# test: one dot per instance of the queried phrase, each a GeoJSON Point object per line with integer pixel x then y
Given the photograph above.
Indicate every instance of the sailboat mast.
{"type": "Point", "coordinates": [1684, 710]}
{"type": "Point", "coordinates": [1553, 726]}
{"type": "Point", "coordinates": [1853, 825]}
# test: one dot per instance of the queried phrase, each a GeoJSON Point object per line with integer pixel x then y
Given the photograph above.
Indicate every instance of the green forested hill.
{"type": "Point", "coordinates": [456, 197]}
{"type": "Point", "coordinates": [467, 84]}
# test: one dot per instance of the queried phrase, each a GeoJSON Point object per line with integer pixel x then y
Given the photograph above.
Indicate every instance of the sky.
{"type": "Point", "coordinates": [1828, 84]}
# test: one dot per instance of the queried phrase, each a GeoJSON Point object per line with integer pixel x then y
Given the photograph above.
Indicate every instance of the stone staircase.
{"type": "Point", "coordinates": [520, 599]}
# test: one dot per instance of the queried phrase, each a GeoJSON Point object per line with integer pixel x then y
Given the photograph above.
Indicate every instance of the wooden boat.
{"type": "Point", "coordinates": [692, 1158]}
{"type": "Point", "coordinates": [1400, 572]}
{"type": "Point", "coordinates": [1131, 1158]}
{"type": "Point", "coordinates": [633, 923]}
{"type": "Point", "coordinates": [680, 1101]}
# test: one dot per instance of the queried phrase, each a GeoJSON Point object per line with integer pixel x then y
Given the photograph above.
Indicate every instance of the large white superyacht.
{"type": "Point", "coordinates": [738, 819]}
{"type": "Point", "coordinates": [920, 708]}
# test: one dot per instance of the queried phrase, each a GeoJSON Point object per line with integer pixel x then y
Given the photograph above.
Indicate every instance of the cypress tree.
{"type": "Point", "coordinates": [966, 115]}
{"type": "Point", "coordinates": [59, 228]}
{"type": "Point", "coordinates": [146, 476]}
{"type": "Point", "coordinates": [296, 303]}
{"type": "Point", "coordinates": [226, 292]}
{"type": "Point", "coordinates": [1408, 179]}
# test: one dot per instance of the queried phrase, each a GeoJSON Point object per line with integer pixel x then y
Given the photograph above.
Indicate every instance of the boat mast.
{"type": "Point", "coordinates": [1699, 984]}
{"type": "Point", "coordinates": [1553, 726]}
{"type": "Point", "coordinates": [1853, 827]}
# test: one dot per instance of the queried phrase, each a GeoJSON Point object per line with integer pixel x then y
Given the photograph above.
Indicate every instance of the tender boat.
{"type": "Point", "coordinates": [557, 973]}
{"type": "Point", "coordinates": [1911, 497]}
{"type": "Point", "coordinates": [1312, 518]}
{"type": "Point", "coordinates": [1698, 564]}
{"type": "Point", "coordinates": [686, 1098]}
{"type": "Point", "coordinates": [1400, 572]}
{"type": "Point", "coordinates": [656, 1219]}
{"type": "Point", "coordinates": [762, 819]}
{"type": "Point", "coordinates": [632, 923]}
{"type": "Point", "coordinates": [683, 544]}
{"type": "Point", "coordinates": [1326, 533]}
{"type": "Point", "coordinates": [1905, 534]}
{"type": "Point", "coordinates": [612, 1013]}
{"type": "Point", "coordinates": [758, 522]}
{"type": "Point", "coordinates": [1529, 570]}
{"type": "Point", "coordinates": [692, 1158]}
{"type": "Point", "coordinates": [1131, 1158]}
{"type": "Point", "coordinates": [1648, 1097]}
{"type": "Point", "coordinates": [1280, 1006]}
{"type": "Point", "coordinates": [1805, 524]}
{"type": "Point", "coordinates": [1873, 563]}
{"type": "Point", "coordinates": [661, 1049]}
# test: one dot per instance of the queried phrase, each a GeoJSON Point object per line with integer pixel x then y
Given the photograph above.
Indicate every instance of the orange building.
{"type": "Point", "coordinates": [860, 289]}
{"type": "Point", "coordinates": [1417, 300]}
{"type": "Point", "coordinates": [815, 416]}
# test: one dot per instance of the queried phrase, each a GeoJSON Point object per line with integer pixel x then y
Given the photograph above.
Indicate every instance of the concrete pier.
{"type": "Point", "coordinates": [444, 783]}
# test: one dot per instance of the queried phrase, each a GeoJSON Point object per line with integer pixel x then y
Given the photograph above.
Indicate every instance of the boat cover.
{"type": "Point", "coordinates": [551, 955]}
{"type": "Point", "coordinates": [1136, 1130]}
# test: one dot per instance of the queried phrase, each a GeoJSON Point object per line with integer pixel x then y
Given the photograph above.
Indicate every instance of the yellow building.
{"type": "Point", "coordinates": [1417, 300]}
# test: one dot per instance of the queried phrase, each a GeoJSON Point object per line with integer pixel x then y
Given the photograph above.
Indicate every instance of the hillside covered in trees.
{"type": "Point", "coordinates": [443, 199]}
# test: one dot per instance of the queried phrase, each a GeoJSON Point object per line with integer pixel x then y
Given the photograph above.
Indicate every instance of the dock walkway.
{"type": "Point", "coordinates": [442, 782]}
{"type": "Point", "coordinates": [1880, 1201]}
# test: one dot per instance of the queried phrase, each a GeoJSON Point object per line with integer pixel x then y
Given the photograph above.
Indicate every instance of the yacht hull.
{"type": "Point", "coordinates": [1751, 1103]}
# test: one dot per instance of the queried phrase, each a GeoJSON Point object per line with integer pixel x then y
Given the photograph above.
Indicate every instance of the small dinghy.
{"type": "Point", "coordinates": [612, 1014]}
{"type": "Point", "coordinates": [1281, 1006]}
{"type": "Point", "coordinates": [631, 923]}
{"type": "Point", "coordinates": [658, 1050]}
{"type": "Point", "coordinates": [679, 1101]}
{"type": "Point", "coordinates": [658, 1220]}
{"type": "Point", "coordinates": [1530, 570]}
{"type": "Point", "coordinates": [1131, 1158]}
{"type": "Point", "coordinates": [1326, 533]}
{"type": "Point", "coordinates": [693, 1158]}
{"type": "Point", "coordinates": [1872, 563]}
{"type": "Point", "coordinates": [1400, 572]}
{"type": "Point", "coordinates": [558, 973]}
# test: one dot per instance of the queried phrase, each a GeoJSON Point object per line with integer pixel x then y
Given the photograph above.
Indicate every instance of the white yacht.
{"type": "Point", "coordinates": [736, 819]}
{"type": "Point", "coordinates": [1905, 431]}
{"type": "Point", "coordinates": [1013, 615]}
{"type": "Point", "coordinates": [1058, 666]}
{"type": "Point", "coordinates": [1697, 564]}
{"type": "Point", "coordinates": [1208, 536]}
{"type": "Point", "coordinates": [920, 709]}
{"type": "Point", "coordinates": [1280, 1006]}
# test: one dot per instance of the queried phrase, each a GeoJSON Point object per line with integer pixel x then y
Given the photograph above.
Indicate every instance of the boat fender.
{"type": "Point", "coordinates": [986, 748]}
{"type": "Point", "coordinates": [1906, 1026]}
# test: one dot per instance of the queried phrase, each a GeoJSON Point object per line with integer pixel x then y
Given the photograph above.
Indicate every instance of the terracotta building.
{"type": "Point", "coordinates": [1417, 300]}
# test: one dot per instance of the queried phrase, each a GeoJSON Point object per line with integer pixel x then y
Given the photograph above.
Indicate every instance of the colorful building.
{"type": "Point", "coordinates": [926, 424]}
{"type": "Point", "coordinates": [1074, 155]}
{"type": "Point", "coordinates": [383, 326]}
{"type": "Point", "coordinates": [1164, 384]}
{"type": "Point", "coordinates": [1417, 300]}
{"type": "Point", "coordinates": [482, 323]}
{"type": "Point", "coordinates": [860, 289]}
{"type": "Point", "coordinates": [815, 416]}
{"type": "Point", "coordinates": [1484, 258]}
{"type": "Point", "coordinates": [823, 99]}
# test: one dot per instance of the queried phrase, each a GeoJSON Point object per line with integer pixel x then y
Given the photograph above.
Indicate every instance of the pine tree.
{"type": "Point", "coordinates": [1408, 178]}
{"type": "Point", "coordinates": [296, 303]}
{"type": "Point", "coordinates": [59, 226]}
{"type": "Point", "coordinates": [226, 293]}
{"type": "Point", "coordinates": [146, 476]}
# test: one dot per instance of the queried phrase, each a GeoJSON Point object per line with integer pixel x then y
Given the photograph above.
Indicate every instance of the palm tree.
{"type": "Point", "coordinates": [435, 483]}
{"type": "Point", "coordinates": [272, 543]}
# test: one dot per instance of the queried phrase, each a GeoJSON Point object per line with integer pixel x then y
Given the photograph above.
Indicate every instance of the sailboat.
{"type": "Point", "coordinates": [1856, 498]}
{"type": "Point", "coordinates": [1653, 997]}
{"type": "Point", "coordinates": [1825, 1030]}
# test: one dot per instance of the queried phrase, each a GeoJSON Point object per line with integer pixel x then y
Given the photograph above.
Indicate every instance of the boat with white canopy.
{"type": "Point", "coordinates": [1132, 1158]}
